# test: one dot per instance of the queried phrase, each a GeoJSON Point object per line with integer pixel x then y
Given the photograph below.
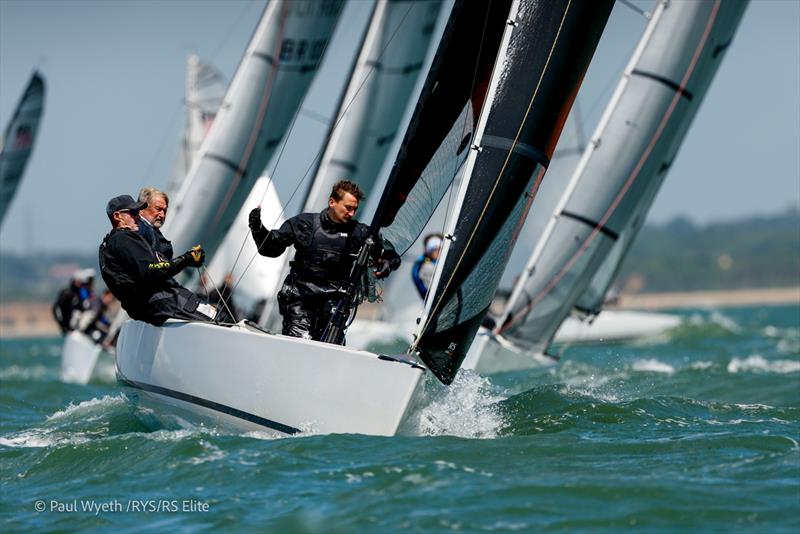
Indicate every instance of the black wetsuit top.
{"type": "Point", "coordinates": [133, 272]}
{"type": "Point", "coordinates": [324, 251]}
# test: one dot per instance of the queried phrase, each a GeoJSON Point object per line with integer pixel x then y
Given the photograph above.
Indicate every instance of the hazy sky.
{"type": "Point", "coordinates": [115, 74]}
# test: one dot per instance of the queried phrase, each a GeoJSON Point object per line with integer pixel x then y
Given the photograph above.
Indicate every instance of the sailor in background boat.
{"type": "Point", "coordinates": [424, 266]}
{"type": "Point", "coordinates": [136, 275]}
{"type": "Point", "coordinates": [152, 218]}
{"type": "Point", "coordinates": [100, 316]}
{"type": "Point", "coordinates": [326, 246]}
{"type": "Point", "coordinates": [71, 301]}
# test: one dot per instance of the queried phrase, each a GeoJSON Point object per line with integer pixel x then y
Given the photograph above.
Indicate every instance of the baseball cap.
{"type": "Point", "coordinates": [124, 203]}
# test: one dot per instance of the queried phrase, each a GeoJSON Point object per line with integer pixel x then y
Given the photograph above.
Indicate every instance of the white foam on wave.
{"type": "Point", "coordinates": [788, 346]}
{"type": "Point", "coordinates": [59, 428]}
{"type": "Point", "coordinates": [169, 436]}
{"type": "Point", "coordinates": [725, 322]}
{"type": "Point", "coordinates": [594, 388]}
{"type": "Point", "coordinates": [214, 453]}
{"type": "Point", "coordinates": [467, 409]}
{"type": "Point", "coordinates": [264, 436]}
{"type": "Point", "coordinates": [18, 372]}
{"type": "Point", "coordinates": [88, 407]}
{"type": "Point", "coordinates": [42, 437]}
{"type": "Point", "coordinates": [653, 366]}
{"type": "Point", "coordinates": [758, 363]}
{"type": "Point", "coordinates": [771, 331]}
{"type": "Point", "coordinates": [701, 365]}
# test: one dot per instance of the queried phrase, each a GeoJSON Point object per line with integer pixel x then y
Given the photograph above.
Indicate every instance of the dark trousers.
{"type": "Point", "coordinates": [173, 303]}
{"type": "Point", "coordinates": [307, 320]}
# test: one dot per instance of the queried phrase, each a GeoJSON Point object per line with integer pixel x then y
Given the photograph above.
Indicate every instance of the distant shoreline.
{"type": "Point", "coordinates": [34, 319]}
{"type": "Point", "coordinates": [723, 298]}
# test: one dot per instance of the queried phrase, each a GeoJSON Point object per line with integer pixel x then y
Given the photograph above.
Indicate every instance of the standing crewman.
{"type": "Point", "coordinates": [136, 275]}
{"type": "Point", "coordinates": [326, 246]}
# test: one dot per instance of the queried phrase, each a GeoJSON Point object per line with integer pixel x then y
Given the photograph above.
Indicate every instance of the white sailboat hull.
{"type": "Point", "coordinates": [78, 358]}
{"type": "Point", "coordinates": [616, 325]}
{"type": "Point", "coordinates": [608, 326]}
{"type": "Point", "coordinates": [489, 355]}
{"type": "Point", "coordinates": [242, 380]}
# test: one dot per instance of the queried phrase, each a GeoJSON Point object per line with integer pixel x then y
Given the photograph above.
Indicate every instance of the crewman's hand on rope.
{"type": "Point", "coordinates": [387, 263]}
{"type": "Point", "coordinates": [192, 258]}
{"type": "Point", "coordinates": [198, 256]}
{"type": "Point", "coordinates": [254, 221]}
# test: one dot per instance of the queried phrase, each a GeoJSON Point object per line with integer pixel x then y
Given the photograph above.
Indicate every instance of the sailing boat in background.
{"type": "Point", "coordinates": [605, 203]}
{"type": "Point", "coordinates": [205, 88]}
{"type": "Point", "coordinates": [277, 68]}
{"type": "Point", "coordinates": [491, 108]}
{"type": "Point", "coordinates": [18, 139]}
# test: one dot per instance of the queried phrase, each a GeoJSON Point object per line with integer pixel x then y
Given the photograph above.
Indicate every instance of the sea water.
{"type": "Point", "coordinates": [695, 431]}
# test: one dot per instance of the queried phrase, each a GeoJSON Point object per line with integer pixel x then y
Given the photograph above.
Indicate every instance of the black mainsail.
{"type": "Point", "coordinates": [530, 63]}
{"type": "Point", "coordinates": [442, 124]}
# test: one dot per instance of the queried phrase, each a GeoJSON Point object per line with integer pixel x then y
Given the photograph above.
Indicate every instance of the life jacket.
{"type": "Point", "coordinates": [330, 252]}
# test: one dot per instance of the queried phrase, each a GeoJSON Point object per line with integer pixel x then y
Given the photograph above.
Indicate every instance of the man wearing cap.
{"type": "Point", "coordinates": [424, 266]}
{"type": "Point", "coordinates": [135, 275]}
{"type": "Point", "coordinates": [152, 218]}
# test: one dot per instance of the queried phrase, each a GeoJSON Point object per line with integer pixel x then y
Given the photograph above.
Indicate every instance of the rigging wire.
{"type": "Point", "coordinates": [167, 132]}
{"type": "Point", "coordinates": [215, 55]}
{"type": "Point", "coordinates": [223, 300]}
